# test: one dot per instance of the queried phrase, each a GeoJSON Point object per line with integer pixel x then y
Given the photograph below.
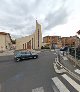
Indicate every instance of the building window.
{"type": "Point", "coordinates": [29, 45]}
{"type": "Point", "coordinates": [32, 43]}
{"type": "Point", "coordinates": [23, 46]}
{"type": "Point", "coordinates": [26, 45]}
{"type": "Point", "coordinates": [6, 47]}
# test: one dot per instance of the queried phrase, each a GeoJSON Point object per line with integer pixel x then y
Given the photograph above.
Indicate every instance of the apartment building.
{"type": "Point", "coordinates": [70, 41]}
{"type": "Point", "coordinates": [52, 41]}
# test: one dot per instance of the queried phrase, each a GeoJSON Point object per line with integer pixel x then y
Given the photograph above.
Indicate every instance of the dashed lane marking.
{"type": "Point", "coordinates": [40, 89]}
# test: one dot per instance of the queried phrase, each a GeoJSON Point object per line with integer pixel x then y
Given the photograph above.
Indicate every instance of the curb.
{"type": "Point", "coordinates": [62, 70]}
{"type": "Point", "coordinates": [68, 71]}
{"type": "Point", "coordinates": [57, 70]}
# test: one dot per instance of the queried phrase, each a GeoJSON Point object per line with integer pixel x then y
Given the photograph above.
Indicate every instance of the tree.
{"type": "Point", "coordinates": [13, 41]}
{"type": "Point", "coordinates": [78, 32]}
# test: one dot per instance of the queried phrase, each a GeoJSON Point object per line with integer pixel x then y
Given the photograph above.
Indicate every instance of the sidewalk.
{"type": "Point", "coordinates": [11, 52]}
{"type": "Point", "coordinates": [7, 53]}
{"type": "Point", "coordinates": [69, 64]}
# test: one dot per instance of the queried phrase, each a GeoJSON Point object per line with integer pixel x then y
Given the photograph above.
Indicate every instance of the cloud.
{"type": "Point", "coordinates": [57, 17]}
{"type": "Point", "coordinates": [18, 16]}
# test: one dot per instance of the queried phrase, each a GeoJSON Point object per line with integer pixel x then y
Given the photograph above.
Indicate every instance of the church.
{"type": "Point", "coordinates": [30, 42]}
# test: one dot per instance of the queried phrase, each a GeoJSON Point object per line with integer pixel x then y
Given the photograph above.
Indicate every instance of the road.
{"type": "Point", "coordinates": [35, 75]}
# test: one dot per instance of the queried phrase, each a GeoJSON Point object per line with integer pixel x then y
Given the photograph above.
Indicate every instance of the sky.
{"type": "Point", "coordinates": [57, 17]}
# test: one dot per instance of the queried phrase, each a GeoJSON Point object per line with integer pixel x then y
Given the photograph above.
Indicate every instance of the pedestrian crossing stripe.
{"type": "Point", "coordinates": [72, 82]}
{"type": "Point", "coordinates": [77, 71]}
{"type": "Point", "coordinates": [60, 85]}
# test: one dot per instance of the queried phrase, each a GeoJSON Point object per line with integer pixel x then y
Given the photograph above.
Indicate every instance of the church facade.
{"type": "Point", "coordinates": [30, 42]}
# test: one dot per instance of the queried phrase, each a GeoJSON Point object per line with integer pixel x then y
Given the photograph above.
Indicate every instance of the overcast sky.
{"type": "Point", "coordinates": [57, 17]}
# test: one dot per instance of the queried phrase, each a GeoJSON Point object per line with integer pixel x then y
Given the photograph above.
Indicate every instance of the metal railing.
{"type": "Point", "coordinates": [72, 52]}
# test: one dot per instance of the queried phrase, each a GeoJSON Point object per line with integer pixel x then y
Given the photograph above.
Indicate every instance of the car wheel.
{"type": "Point", "coordinates": [35, 57]}
{"type": "Point", "coordinates": [18, 59]}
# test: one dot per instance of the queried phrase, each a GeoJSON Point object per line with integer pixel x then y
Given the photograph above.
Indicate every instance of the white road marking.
{"type": "Point", "coordinates": [60, 85]}
{"type": "Point", "coordinates": [77, 71]}
{"type": "Point", "coordinates": [65, 58]}
{"type": "Point", "coordinates": [72, 82]}
{"type": "Point", "coordinates": [0, 87]}
{"type": "Point", "coordinates": [55, 53]}
{"type": "Point", "coordinates": [52, 50]}
{"type": "Point", "coordinates": [40, 89]}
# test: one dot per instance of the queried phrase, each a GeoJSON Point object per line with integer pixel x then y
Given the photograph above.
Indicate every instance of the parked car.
{"type": "Point", "coordinates": [21, 55]}
{"type": "Point", "coordinates": [64, 48]}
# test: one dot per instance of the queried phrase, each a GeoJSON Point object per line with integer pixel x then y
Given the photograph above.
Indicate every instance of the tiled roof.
{"type": "Point", "coordinates": [3, 33]}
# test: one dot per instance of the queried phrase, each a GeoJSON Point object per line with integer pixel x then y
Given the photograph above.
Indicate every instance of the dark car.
{"type": "Point", "coordinates": [64, 48]}
{"type": "Point", "coordinates": [21, 55]}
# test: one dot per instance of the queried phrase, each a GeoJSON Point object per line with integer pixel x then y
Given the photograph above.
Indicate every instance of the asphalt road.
{"type": "Point", "coordinates": [27, 75]}
{"type": "Point", "coordinates": [33, 75]}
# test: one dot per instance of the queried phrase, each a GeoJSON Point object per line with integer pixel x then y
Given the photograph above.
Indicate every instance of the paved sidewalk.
{"type": "Point", "coordinates": [6, 53]}
{"type": "Point", "coordinates": [69, 64]}
{"type": "Point", "coordinates": [11, 52]}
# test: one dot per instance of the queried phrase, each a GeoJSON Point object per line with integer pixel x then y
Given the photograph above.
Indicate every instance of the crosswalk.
{"type": "Point", "coordinates": [62, 83]}
{"type": "Point", "coordinates": [72, 82]}
{"type": "Point", "coordinates": [62, 86]}
{"type": "Point", "coordinates": [77, 71]}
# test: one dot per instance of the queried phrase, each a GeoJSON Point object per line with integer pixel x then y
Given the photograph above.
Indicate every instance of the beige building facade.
{"type": "Point", "coordinates": [52, 41]}
{"type": "Point", "coordinates": [33, 41]}
{"type": "Point", "coordinates": [5, 41]}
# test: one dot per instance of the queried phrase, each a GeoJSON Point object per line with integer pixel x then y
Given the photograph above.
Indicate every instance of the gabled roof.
{"type": "Point", "coordinates": [3, 33]}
